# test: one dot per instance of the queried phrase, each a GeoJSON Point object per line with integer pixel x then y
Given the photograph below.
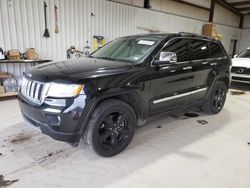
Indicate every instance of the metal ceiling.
{"type": "Point", "coordinates": [239, 7]}
{"type": "Point", "coordinates": [243, 6]}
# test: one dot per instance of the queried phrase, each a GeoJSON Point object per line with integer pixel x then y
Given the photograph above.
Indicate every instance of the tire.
{"type": "Point", "coordinates": [110, 128]}
{"type": "Point", "coordinates": [216, 99]}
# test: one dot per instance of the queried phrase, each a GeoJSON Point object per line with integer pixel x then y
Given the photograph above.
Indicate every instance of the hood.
{"type": "Point", "coordinates": [77, 69]}
{"type": "Point", "coordinates": [241, 62]}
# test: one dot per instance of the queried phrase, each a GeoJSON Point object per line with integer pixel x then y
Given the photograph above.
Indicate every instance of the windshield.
{"type": "Point", "coordinates": [131, 49]}
{"type": "Point", "coordinates": [245, 54]}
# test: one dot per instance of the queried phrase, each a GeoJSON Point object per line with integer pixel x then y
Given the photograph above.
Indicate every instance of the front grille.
{"type": "Point", "coordinates": [240, 79]}
{"type": "Point", "coordinates": [33, 90]}
{"type": "Point", "coordinates": [240, 70]}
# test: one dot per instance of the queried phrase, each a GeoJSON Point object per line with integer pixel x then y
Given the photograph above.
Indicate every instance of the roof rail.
{"type": "Point", "coordinates": [193, 35]}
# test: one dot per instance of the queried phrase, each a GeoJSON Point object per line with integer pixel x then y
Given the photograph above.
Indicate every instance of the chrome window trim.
{"type": "Point", "coordinates": [164, 47]}
{"type": "Point", "coordinates": [178, 96]}
{"type": "Point", "coordinates": [182, 62]}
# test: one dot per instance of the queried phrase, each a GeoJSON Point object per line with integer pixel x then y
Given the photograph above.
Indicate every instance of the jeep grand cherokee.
{"type": "Point", "coordinates": [103, 97]}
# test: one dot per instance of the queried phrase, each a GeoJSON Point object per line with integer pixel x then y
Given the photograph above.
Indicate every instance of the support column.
{"type": "Point", "coordinates": [211, 12]}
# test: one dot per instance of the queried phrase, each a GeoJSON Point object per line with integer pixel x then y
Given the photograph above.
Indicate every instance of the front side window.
{"type": "Point", "coordinates": [199, 49]}
{"type": "Point", "coordinates": [131, 49]}
{"type": "Point", "coordinates": [245, 54]}
{"type": "Point", "coordinates": [180, 47]}
{"type": "Point", "coordinates": [215, 50]}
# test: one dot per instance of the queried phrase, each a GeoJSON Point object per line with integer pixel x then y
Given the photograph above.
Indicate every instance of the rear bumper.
{"type": "Point", "coordinates": [59, 122]}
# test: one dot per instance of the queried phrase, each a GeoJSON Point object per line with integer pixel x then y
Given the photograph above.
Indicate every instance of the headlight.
{"type": "Point", "coordinates": [64, 90]}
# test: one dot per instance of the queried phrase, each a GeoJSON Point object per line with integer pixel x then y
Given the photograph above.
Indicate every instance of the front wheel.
{"type": "Point", "coordinates": [216, 99]}
{"type": "Point", "coordinates": [111, 128]}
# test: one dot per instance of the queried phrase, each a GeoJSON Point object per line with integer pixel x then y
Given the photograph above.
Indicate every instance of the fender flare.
{"type": "Point", "coordinates": [96, 101]}
{"type": "Point", "coordinates": [216, 78]}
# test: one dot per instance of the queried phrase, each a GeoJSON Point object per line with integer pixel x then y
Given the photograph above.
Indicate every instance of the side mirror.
{"type": "Point", "coordinates": [236, 55]}
{"type": "Point", "coordinates": [166, 58]}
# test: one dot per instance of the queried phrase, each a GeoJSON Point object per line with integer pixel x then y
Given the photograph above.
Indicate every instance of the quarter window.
{"type": "Point", "coordinates": [215, 50]}
{"type": "Point", "coordinates": [180, 47]}
{"type": "Point", "coordinates": [199, 49]}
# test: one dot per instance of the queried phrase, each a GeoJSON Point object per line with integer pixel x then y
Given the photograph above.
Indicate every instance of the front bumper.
{"type": "Point", "coordinates": [57, 118]}
{"type": "Point", "coordinates": [244, 78]}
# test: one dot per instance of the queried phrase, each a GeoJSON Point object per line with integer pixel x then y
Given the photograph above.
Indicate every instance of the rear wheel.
{"type": "Point", "coordinates": [111, 128]}
{"type": "Point", "coordinates": [216, 99]}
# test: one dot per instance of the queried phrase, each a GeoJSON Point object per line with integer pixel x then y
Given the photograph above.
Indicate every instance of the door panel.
{"type": "Point", "coordinates": [219, 60]}
{"type": "Point", "coordinates": [171, 84]}
{"type": "Point", "coordinates": [201, 68]}
{"type": "Point", "coordinates": [207, 61]}
{"type": "Point", "coordinates": [169, 88]}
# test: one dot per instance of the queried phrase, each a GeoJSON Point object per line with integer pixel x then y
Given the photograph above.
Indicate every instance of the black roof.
{"type": "Point", "coordinates": [163, 35]}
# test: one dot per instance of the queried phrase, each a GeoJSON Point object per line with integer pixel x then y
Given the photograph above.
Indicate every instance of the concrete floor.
{"type": "Point", "coordinates": [179, 153]}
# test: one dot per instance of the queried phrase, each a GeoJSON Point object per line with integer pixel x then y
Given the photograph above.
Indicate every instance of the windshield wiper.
{"type": "Point", "coordinates": [107, 58]}
{"type": "Point", "coordinates": [112, 59]}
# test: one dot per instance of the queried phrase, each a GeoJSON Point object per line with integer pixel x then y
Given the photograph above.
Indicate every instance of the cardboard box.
{"type": "Point", "coordinates": [209, 30]}
{"type": "Point", "coordinates": [31, 54]}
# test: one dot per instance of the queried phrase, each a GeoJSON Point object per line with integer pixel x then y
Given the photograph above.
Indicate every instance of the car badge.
{"type": "Point", "coordinates": [240, 70]}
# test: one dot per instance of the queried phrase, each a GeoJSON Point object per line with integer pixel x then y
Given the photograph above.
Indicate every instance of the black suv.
{"type": "Point", "coordinates": [103, 98]}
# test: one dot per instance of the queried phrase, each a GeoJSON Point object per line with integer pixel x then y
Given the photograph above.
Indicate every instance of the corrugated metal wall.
{"type": "Point", "coordinates": [22, 24]}
{"type": "Point", "coordinates": [245, 39]}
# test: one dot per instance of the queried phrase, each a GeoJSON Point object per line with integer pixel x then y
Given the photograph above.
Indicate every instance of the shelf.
{"type": "Point", "coordinates": [9, 94]}
{"type": "Point", "coordinates": [24, 61]}
{"type": "Point", "coordinates": [2, 76]}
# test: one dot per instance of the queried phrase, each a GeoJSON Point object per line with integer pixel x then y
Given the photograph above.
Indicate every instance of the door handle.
{"type": "Point", "coordinates": [138, 85]}
{"type": "Point", "coordinates": [187, 68]}
{"type": "Point", "coordinates": [214, 64]}
{"type": "Point", "coordinates": [163, 68]}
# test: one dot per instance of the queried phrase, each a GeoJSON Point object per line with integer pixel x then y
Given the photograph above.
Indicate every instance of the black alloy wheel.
{"type": "Point", "coordinates": [216, 99]}
{"type": "Point", "coordinates": [114, 130]}
{"type": "Point", "coordinates": [219, 98]}
{"type": "Point", "coordinates": [111, 128]}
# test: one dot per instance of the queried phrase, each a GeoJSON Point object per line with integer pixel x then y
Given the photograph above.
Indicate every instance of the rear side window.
{"type": "Point", "coordinates": [180, 47]}
{"type": "Point", "coordinates": [199, 49]}
{"type": "Point", "coordinates": [215, 50]}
